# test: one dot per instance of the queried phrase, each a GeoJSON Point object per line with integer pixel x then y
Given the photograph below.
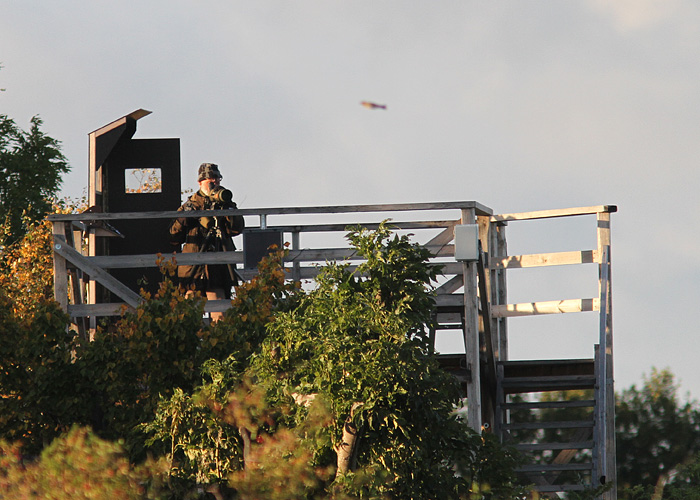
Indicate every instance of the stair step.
{"type": "Point", "coordinates": [513, 385]}
{"type": "Point", "coordinates": [582, 445]}
{"type": "Point", "coordinates": [547, 367]}
{"type": "Point", "coordinates": [456, 364]}
{"type": "Point", "coordinates": [567, 424]}
{"type": "Point", "coordinates": [534, 405]}
{"type": "Point", "coordinates": [555, 488]}
{"type": "Point", "coordinates": [554, 467]}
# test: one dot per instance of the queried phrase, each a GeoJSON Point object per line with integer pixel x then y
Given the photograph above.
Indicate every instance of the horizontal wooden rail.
{"type": "Point", "coordinates": [327, 210]}
{"type": "Point", "coordinates": [566, 424]}
{"type": "Point", "coordinates": [555, 467]}
{"type": "Point", "coordinates": [293, 256]}
{"type": "Point", "coordinates": [548, 214]}
{"type": "Point", "coordinates": [583, 445]}
{"type": "Point", "coordinates": [545, 259]}
{"type": "Point", "coordinates": [100, 275]}
{"type": "Point", "coordinates": [372, 226]}
{"type": "Point", "coordinates": [546, 307]}
{"type": "Point", "coordinates": [538, 405]}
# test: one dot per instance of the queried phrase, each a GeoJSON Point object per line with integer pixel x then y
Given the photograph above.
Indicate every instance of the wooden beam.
{"type": "Point", "coordinates": [547, 307]}
{"type": "Point", "coordinates": [372, 226]}
{"type": "Point", "coordinates": [478, 208]}
{"type": "Point", "coordinates": [547, 214]}
{"type": "Point", "coordinates": [103, 277]}
{"type": "Point", "coordinates": [444, 237]}
{"type": "Point", "coordinates": [451, 285]}
{"type": "Point", "coordinates": [60, 273]}
{"type": "Point", "coordinates": [545, 259]}
{"type": "Point", "coordinates": [471, 336]}
{"type": "Point", "coordinates": [584, 445]}
{"type": "Point", "coordinates": [293, 256]}
{"type": "Point", "coordinates": [110, 309]}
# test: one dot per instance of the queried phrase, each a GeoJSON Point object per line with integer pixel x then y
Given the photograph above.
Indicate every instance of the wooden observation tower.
{"type": "Point", "coordinates": [559, 412]}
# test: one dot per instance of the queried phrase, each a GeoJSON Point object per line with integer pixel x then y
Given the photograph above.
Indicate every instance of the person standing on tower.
{"type": "Point", "coordinates": [208, 234]}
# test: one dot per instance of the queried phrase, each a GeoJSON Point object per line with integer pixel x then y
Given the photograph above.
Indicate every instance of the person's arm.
{"type": "Point", "coordinates": [235, 224]}
{"type": "Point", "coordinates": [180, 227]}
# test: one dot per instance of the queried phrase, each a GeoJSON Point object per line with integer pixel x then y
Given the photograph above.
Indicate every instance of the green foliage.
{"type": "Point", "coordinates": [279, 464]}
{"type": "Point", "coordinates": [31, 165]}
{"type": "Point", "coordinates": [36, 374]}
{"type": "Point", "coordinates": [358, 342]}
{"type": "Point", "coordinates": [656, 433]}
{"type": "Point", "coordinates": [146, 354]}
{"type": "Point", "coordinates": [259, 401]}
{"type": "Point", "coordinates": [26, 264]}
{"type": "Point", "coordinates": [200, 444]}
{"type": "Point", "coordinates": [78, 466]}
{"type": "Point", "coordinates": [685, 485]}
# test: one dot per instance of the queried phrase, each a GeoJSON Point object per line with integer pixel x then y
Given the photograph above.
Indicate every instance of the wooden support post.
{"type": "Point", "coordinates": [471, 335]}
{"type": "Point", "coordinates": [60, 273]}
{"type": "Point", "coordinates": [605, 289]}
{"type": "Point", "coordinates": [296, 266]}
{"type": "Point", "coordinates": [488, 341]}
{"type": "Point", "coordinates": [500, 290]}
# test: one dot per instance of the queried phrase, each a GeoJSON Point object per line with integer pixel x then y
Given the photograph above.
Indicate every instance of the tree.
{"type": "Point", "coordinates": [656, 433]}
{"type": "Point", "coordinates": [342, 392]}
{"type": "Point", "coordinates": [334, 392]}
{"type": "Point", "coordinates": [31, 165]}
{"type": "Point", "coordinates": [26, 264]}
{"type": "Point", "coordinates": [78, 465]}
{"type": "Point", "coordinates": [358, 342]}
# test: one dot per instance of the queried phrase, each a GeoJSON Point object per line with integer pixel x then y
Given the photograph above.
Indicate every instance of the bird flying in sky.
{"type": "Point", "coordinates": [372, 105]}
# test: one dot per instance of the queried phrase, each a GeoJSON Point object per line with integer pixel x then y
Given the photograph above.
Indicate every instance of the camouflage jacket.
{"type": "Point", "coordinates": [191, 233]}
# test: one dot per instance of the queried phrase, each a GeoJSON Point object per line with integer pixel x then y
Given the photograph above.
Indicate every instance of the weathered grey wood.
{"type": "Point", "coordinates": [60, 273]}
{"type": "Point", "coordinates": [534, 405]}
{"type": "Point", "coordinates": [452, 300]}
{"type": "Point", "coordinates": [554, 467]}
{"type": "Point", "coordinates": [92, 310]}
{"type": "Point", "coordinates": [115, 309]}
{"type": "Point", "coordinates": [584, 445]}
{"type": "Point", "coordinates": [545, 259]}
{"type": "Point", "coordinates": [444, 237]}
{"type": "Point", "coordinates": [104, 278]}
{"type": "Point", "coordinates": [608, 467]}
{"type": "Point", "coordinates": [471, 335]}
{"type": "Point", "coordinates": [320, 255]}
{"type": "Point", "coordinates": [546, 307]}
{"type": "Point", "coordinates": [545, 214]}
{"type": "Point", "coordinates": [535, 382]}
{"type": "Point", "coordinates": [333, 209]}
{"type": "Point", "coordinates": [499, 295]}
{"type": "Point", "coordinates": [489, 362]}
{"type": "Point", "coordinates": [372, 226]}
{"type": "Point", "coordinates": [150, 260]}
{"type": "Point", "coordinates": [451, 285]}
{"type": "Point", "coordinates": [566, 424]}
{"type": "Point", "coordinates": [561, 488]}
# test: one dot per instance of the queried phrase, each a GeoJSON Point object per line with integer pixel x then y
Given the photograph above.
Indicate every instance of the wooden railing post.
{"type": "Point", "coordinates": [60, 273]}
{"type": "Point", "coordinates": [608, 465]}
{"type": "Point", "coordinates": [471, 335]}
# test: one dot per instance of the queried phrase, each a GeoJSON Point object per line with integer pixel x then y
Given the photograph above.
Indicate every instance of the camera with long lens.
{"type": "Point", "coordinates": [221, 195]}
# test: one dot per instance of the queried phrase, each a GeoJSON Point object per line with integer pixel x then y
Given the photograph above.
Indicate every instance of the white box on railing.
{"type": "Point", "coordinates": [467, 242]}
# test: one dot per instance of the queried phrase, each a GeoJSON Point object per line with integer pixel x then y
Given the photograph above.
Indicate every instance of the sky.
{"type": "Point", "coordinates": [520, 106]}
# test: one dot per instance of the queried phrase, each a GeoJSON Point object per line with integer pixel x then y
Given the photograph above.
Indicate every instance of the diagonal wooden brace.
{"type": "Point", "coordinates": [97, 273]}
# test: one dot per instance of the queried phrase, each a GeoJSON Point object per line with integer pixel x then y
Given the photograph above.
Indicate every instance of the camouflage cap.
{"type": "Point", "coordinates": [208, 171]}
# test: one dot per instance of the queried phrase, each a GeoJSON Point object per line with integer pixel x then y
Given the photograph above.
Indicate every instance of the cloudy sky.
{"type": "Point", "coordinates": [518, 105]}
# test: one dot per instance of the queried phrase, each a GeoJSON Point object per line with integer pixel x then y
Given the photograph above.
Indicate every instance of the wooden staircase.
{"type": "Point", "coordinates": [559, 413]}
{"type": "Point", "coordinates": [555, 434]}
